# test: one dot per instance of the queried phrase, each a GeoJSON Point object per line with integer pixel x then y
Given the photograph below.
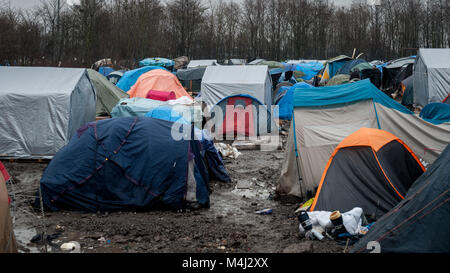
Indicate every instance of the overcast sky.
{"type": "Point", "coordinates": [27, 4]}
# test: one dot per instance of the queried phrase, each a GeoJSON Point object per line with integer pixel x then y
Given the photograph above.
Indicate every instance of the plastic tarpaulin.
{"type": "Point", "coordinates": [129, 78]}
{"type": "Point", "coordinates": [286, 104]}
{"type": "Point", "coordinates": [309, 69]}
{"type": "Point", "coordinates": [223, 81]}
{"type": "Point", "coordinates": [436, 113]}
{"type": "Point", "coordinates": [159, 80]}
{"type": "Point", "coordinates": [197, 63]}
{"type": "Point", "coordinates": [431, 76]}
{"type": "Point", "coordinates": [323, 117]}
{"type": "Point", "coordinates": [140, 106]}
{"type": "Point", "coordinates": [42, 107]}
{"type": "Point", "coordinates": [157, 62]}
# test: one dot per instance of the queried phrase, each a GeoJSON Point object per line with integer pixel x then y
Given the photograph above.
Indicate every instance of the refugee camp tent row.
{"type": "Point", "coordinates": [431, 76]}
{"type": "Point", "coordinates": [42, 108]}
{"type": "Point", "coordinates": [420, 222]}
{"type": "Point", "coordinates": [324, 116]}
{"type": "Point", "coordinates": [7, 239]}
{"type": "Point", "coordinates": [371, 169]}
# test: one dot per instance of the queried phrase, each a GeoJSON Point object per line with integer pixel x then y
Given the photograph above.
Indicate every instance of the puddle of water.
{"type": "Point", "coordinates": [23, 237]}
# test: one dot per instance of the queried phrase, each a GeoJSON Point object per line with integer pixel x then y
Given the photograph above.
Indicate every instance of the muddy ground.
{"type": "Point", "coordinates": [229, 225]}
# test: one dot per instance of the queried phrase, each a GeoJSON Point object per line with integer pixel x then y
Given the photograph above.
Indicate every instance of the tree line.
{"type": "Point", "coordinates": [55, 33]}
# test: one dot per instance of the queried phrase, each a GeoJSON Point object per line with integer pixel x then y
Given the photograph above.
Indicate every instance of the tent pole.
{"type": "Point", "coordinates": [296, 155]}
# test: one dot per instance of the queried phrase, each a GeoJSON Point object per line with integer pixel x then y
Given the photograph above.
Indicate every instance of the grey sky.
{"type": "Point", "coordinates": [28, 4]}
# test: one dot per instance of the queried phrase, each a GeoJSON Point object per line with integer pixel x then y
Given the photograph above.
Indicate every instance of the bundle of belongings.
{"type": "Point", "coordinates": [347, 227]}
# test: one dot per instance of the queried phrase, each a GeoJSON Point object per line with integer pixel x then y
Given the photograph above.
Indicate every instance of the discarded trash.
{"type": "Point", "coordinates": [264, 211]}
{"type": "Point", "coordinates": [305, 206]}
{"type": "Point", "coordinates": [227, 150]}
{"type": "Point", "coordinates": [102, 239]}
{"type": "Point", "coordinates": [59, 228]}
{"type": "Point", "coordinates": [73, 247]}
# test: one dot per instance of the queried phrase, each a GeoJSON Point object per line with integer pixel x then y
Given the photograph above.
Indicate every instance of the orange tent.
{"type": "Point", "coordinates": [372, 169]}
{"type": "Point", "coordinates": [159, 80]}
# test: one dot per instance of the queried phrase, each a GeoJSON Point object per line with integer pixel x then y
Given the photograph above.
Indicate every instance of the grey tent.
{"type": "Point", "coordinates": [115, 76]}
{"type": "Point", "coordinates": [191, 78]}
{"type": "Point", "coordinates": [42, 107]}
{"type": "Point", "coordinates": [431, 75]}
{"type": "Point", "coordinates": [420, 222]}
{"type": "Point", "coordinates": [108, 95]}
{"type": "Point", "coordinates": [220, 82]}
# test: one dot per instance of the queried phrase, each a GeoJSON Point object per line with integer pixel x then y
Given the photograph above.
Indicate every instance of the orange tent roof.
{"type": "Point", "coordinates": [371, 137]}
{"type": "Point", "coordinates": [160, 80]}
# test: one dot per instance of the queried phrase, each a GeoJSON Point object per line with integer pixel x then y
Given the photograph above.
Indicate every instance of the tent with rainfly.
{"type": "Point", "coordinates": [216, 167]}
{"type": "Point", "coordinates": [7, 238]}
{"type": "Point", "coordinates": [129, 78]}
{"type": "Point", "coordinates": [158, 80]}
{"type": "Point", "coordinates": [124, 164]}
{"type": "Point", "coordinates": [324, 116]}
{"type": "Point", "coordinates": [108, 95]}
{"type": "Point", "coordinates": [371, 169]}
{"type": "Point", "coordinates": [42, 107]}
{"type": "Point", "coordinates": [332, 66]}
{"type": "Point", "coordinates": [243, 115]}
{"type": "Point", "coordinates": [431, 75]}
{"type": "Point", "coordinates": [420, 222]}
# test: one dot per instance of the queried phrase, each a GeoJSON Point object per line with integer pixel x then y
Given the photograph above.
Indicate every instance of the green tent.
{"type": "Point", "coordinates": [108, 95]}
{"type": "Point", "coordinates": [339, 79]}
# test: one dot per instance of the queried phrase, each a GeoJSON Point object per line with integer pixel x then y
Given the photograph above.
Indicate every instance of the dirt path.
{"type": "Point", "coordinates": [230, 225]}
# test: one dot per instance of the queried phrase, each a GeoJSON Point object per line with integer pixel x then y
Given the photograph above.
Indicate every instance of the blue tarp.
{"type": "Point", "coordinates": [309, 69]}
{"type": "Point", "coordinates": [286, 104]}
{"type": "Point", "coordinates": [436, 113]}
{"type": "Point", "coordinates": [163, 62]}
{"type": "Point", "coordinates": [123, 164]}
{"type": "Point", "coordinates": [105, 70]}
{"type": "Point", "coordinates": [213, 158]}
{"type": "Point", "coordinates": [129, 78]}
{"type": "Point", "coordinates": [351, 92]}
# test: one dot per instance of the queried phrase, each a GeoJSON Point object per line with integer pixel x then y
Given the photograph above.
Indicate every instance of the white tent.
{"type": "Point", "coordinates": [220, 82]}
{"type": "Point", "coordinates": [42, 108]}
{"type": "Point", "coordinates": [431, 75]}
{"type": "Point", "coordinates": [324, 116]}
{"type": "Point", "coordinates": [197, 63]}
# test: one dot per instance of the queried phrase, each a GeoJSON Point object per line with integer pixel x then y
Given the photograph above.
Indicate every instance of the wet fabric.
{"type": "Point", "coordinates": [419, 223]}
{"type": "Point", "coordinates": [159, 80]}
{"type": "Point", "coordinates": [129, 78]}
{"type": "Point", "coordinates": [436, 113]}
{"type": "Point", "coordinates": [42, 107]}
{"type": "Point", "coordinates": [123, 164]}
